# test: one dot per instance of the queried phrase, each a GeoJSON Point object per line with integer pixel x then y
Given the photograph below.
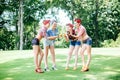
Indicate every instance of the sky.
{"type": "Point", "coordinates": [62, 17]}
{"type": "Point", "coordinates": [60, 14]}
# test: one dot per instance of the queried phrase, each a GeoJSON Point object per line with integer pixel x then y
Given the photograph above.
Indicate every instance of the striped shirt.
{"type": "Point", "coordinates": [81, 31]}
{"type": "Point", "coordinates": [42, 31]}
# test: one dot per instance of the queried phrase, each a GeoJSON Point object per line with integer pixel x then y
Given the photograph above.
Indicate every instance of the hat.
{"type": "Point", "coordinates": [52, 21]}
{"type": "Point", "coordinates": [70, 25]}
{"type": "Point", "coordinates": [77, 20]}
{"type": "Point", "coordinates": [46, 22]}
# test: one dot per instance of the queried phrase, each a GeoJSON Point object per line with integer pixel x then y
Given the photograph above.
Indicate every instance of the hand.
{"type": "Point", "coordinates": [65, 35]}
{"type": "Point", "coordinates": [68, 32]}
{"type": "Point", "coordinates": [60, 35]}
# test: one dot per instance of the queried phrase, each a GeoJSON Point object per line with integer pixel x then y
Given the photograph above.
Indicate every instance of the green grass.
{"type": "Point", "coordinates": [102, 68]}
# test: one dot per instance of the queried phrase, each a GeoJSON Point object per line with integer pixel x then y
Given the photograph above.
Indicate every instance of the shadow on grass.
{"type": "Point", "coordinates": [101, 68]}
{"type": "Point", "coordinates": [115, 77]}
{"type": "Point", "coordinates": [11, 69]}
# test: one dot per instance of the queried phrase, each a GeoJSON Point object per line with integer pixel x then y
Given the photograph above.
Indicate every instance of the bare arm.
{"type": "Point", "coordinates": [66, 38]}
{"type": "Point", "coordinates": [80, 33]}
{"type": "Point", "coordinates": [75, 36]}
{"type": "Point", "coordinates": [52, 37]}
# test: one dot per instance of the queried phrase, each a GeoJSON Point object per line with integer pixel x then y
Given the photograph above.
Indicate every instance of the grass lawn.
{"type": "Point", "coordinates": [18, 65]}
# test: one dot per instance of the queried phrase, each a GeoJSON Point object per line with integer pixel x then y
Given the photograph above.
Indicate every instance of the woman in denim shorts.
{"type": "Point", "coordinates": [87, 43]}
{"type": "Point", "coordinates": [52, 34]}
{"type": "Point", "coordinates": [74, 46]}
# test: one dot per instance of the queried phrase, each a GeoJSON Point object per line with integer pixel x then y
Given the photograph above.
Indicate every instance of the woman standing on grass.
{"type": "Point", "coordinates": [74, 46]}
{"type": "Point", "coordinates": [87, 42]}
{"type": "Point", "coordinates": [52, 34]}
{"type": "Point", "coordinates": [36, 47]}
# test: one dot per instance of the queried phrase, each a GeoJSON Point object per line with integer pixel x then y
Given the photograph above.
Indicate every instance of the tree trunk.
{"type": "Point", "coordinates": [34, 29]}
{"type": "Point", "coordinates": [96, 23]}
{"type": "Point", "coordinates": [21, 24]}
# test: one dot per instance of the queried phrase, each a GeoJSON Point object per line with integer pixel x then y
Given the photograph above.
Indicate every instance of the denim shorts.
{"type": "Point", "coordinates": [35, 41]}
{"type": "Point", "coordinates": [74, 43]}
{"type": "Point", "coordinates": [48, 43]}
{"type": "Point", "coordinates": [88, 41]}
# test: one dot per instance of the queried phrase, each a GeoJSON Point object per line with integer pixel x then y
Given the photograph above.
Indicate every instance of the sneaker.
{"type": "Point", "coordinates": [54, 68]}
{"type": "Point", "coordinates": [46, 69]}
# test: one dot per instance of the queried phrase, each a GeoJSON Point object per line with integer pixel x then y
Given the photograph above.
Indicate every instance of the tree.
{"type": "Point", "coordinates": [100, 17]}
{"type": "Point", "coordinates": [30, 19]}
{"type": "Point", "coordinates": [21, 23]}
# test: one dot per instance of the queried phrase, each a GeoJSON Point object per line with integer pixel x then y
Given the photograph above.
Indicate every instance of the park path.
{"type": "Point", "coordinates": [16, 54]}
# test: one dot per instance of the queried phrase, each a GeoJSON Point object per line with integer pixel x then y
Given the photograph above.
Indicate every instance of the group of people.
{"type": "Point", "coordinates": [76, 35]}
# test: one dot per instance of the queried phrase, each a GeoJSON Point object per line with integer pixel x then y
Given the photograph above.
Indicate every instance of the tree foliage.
{"type": "Point", "coordinates": [100, 17]}
{"type": "Point", "coordinates": [34, 10]}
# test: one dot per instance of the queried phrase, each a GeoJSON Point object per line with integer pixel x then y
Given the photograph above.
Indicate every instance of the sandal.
{"type": "Point", "coordinates": [84, 69]}
{"type": "Point", "coordinates": [67, 68]}
{"type": "Point", "coordinates": [39, 70]}
{"type": "Point", "coordinates": [74, 68]}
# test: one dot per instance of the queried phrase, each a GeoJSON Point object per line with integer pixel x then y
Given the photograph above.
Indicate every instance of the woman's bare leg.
{"type": "Point", "coordinates": [36, 52]}
{"type": "Point", "coordinates": [41, 56]}
{"type": "Point", "coordinates": [53, 55]}
{"type": "Point", "coordinates": [46, 56]}
{"type": "Point", "coordinates": [71, 48]}
{"type": "Point", "coordinates": [89, 55]}
{"type": "Point", "coordinates": [76, 56]}
{"type": "Point", "coordinates": [82, 54]}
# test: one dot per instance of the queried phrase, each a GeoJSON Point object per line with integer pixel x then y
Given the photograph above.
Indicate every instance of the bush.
{"type": "Point", "coordinates": [61, 43]}
{"type": "Point", "coordinates": [118, 40]}
{"type": "Point", "coordinates": [111, 42]}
